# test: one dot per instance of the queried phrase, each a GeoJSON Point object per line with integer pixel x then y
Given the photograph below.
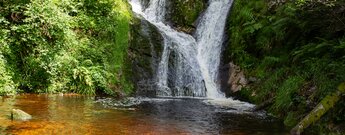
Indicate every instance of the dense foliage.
{"type": "Point", "coordinates": [296, 52]}
{"type": "Point", "coordinates": [63, 46]}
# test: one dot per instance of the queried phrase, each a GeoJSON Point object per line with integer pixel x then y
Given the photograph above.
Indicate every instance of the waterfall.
{"type": "Point", "coordinates": [209, 35]}
{"type": "Point", "coordinates": [189, 65]}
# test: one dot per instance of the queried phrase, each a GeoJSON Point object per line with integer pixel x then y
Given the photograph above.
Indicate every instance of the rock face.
{"type": "Point", "coordinates": [183, 14]}
{"type": "Point", "coordinates": [17, 114]}
{"type": "Point", "coordinates": [146, 42]}
{"type": "Point", "coordinates": [237, 79]}
{"type": "Point", "coordinates": [144, 55]}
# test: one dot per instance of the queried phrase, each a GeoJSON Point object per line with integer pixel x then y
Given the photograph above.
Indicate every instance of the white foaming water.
{"type": "Point", "coordinates": [237, 105]}
{"type": "Point", "coordinates": [189, 66]}
{"type": "Point", "coordinates": [209, 35]}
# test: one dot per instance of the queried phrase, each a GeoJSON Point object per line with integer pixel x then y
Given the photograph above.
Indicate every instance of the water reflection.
{"type": "Point", "coordinates": [73, 114]}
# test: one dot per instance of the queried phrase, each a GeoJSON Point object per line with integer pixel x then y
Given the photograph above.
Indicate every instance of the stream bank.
{"type": "Point", "coordinates": [291, 57]}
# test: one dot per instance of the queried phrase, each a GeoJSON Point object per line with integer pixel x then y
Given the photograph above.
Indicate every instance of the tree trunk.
{"type": "Point", "coordinates": [327, 103]}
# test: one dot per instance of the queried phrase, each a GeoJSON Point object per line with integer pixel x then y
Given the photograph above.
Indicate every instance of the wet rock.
{"type": "Point", "coordinates": [144, 54]}
{"type": "Point", "coordinates": [17, 114]}
{"type": "Point", "coordinates": [145, 3]}
{"type": "Point", "coordinates": [252, 80]}
{"type": "Point", "coordinates": [188, 90]}
{"type": "Point", "coordinates": [188, 30]}
{"type": "Point", "coordinates": [183, 14]}
{"type": "Point", "coordinates": [172, 69]}
{"type": "Point", "coordinates": [237, 79]}
{"type": "Point", "coordinates": [175, 91]}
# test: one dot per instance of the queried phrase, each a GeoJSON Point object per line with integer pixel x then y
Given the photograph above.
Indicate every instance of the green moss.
{"type": "Point", "coordinates": [185, 12]}
{"type": "Point", "coordinates": [341, 87]}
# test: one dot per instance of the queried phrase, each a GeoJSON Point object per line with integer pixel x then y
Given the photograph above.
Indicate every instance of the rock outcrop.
{"type": "Point", "coordinates": [237, 79]}
{"type": "Point", "coordinates": [17, 114]}
{"type": "Point", "coordinates": [144, 55]}
{"type": "Point", "coordinates": [146, 42]}
{"type": "Point", "coordinates": [183, 14]}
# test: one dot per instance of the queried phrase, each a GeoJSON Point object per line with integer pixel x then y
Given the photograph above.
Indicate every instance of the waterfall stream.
{"type": "Point", "coordinates": [189, 64]}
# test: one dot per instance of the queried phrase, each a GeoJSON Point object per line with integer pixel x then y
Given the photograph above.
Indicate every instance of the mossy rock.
{"type": "Point", "coordinates": [145, 50]}
{"type": "Point", "coordinates": [184, 13]}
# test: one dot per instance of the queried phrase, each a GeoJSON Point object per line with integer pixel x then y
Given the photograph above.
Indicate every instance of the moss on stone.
{"type": "Point", "coordinates": [144, 53]}
{"type": "Point", "coordinates": [184, 13]}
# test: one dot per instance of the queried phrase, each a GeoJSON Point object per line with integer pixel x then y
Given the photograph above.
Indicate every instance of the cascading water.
{"type": "Point", "coordinates": [209, 35]}
{"type": "Point", "coordinates": [189, 65]}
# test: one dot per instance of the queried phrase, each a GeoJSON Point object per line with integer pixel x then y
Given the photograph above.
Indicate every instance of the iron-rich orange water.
{"type": "Point", "coordinates": [75, 114]}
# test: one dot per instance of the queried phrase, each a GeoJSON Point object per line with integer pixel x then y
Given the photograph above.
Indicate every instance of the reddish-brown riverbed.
{"type": "Point", "coordinates": [74, 114]}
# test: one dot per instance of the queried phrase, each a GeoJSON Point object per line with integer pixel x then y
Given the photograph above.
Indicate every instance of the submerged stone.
{"type": "Point", "coordinates": [17, 114]}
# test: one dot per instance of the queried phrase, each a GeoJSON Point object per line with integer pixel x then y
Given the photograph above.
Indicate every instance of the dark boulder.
{"type": "Point", "coordinates": [144, 55]}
